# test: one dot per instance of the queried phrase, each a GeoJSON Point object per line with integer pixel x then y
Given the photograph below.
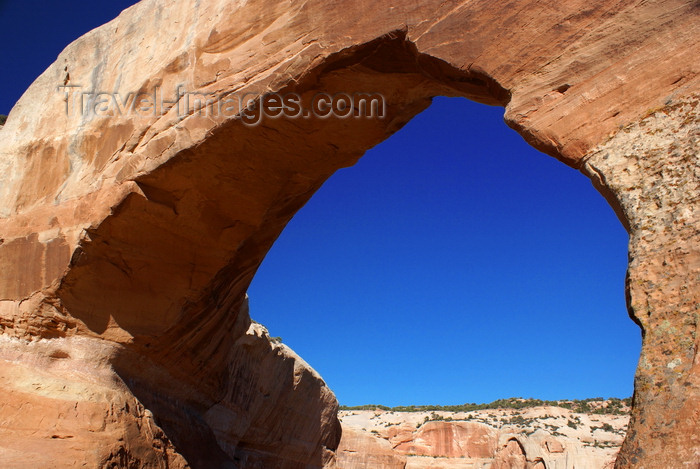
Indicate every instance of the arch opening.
{"type": "Point", "coordinates": [184, 315]}
{"type": "Point", "coordinates": [179, 314]}
{"type": "Point", "coordinates": [451, 257]}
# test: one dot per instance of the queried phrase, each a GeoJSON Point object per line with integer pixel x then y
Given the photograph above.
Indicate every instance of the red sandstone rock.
{"type": "Point", "coordinates": [144, 232]}
{"type": "Point", "coordinates": [553, 446]}
{"type": "Point", "coordinates": [452, 440]}
{"type": "Point", "coordinates": [362, 450]}
{"type": "Point", "coordinates": [512, 456]}
{"type": "Point", "coordinates": [60, 398]}
{"type": "Point", "coordinates": [535, 445]}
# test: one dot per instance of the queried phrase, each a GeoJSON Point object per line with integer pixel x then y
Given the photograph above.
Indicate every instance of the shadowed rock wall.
{"type": "Point", "coordinates": [140, 232]}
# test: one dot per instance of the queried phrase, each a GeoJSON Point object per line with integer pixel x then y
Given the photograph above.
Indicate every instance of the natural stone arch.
{"type": "Point", "coordinates": [137, 238]}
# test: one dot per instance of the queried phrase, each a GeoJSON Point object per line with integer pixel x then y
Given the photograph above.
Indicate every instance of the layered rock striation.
{"type": "Point", "coordinates": [135, 230]}
{"type": "Point", "coordinates": [537, 437]}
{"type": "Point", "coordinates": [80, 402]}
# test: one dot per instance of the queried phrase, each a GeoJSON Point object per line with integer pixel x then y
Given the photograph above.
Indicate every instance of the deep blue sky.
{"type": "Point", "coordinates": [452, 264]}
{"type": "Point", "coordinates": [34, 32]}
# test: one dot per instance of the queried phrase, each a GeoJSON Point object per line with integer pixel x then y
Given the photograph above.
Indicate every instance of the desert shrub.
{"type": "Point", "coordinates": [579, 406]}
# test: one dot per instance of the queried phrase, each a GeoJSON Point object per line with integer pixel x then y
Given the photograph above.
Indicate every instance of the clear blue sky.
{"type": "Point", "coordinates": [452, 264]}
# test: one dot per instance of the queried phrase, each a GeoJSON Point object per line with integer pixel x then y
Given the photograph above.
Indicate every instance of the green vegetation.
{"type": "Point", "coordinates": [433, 417]}
{"type": "Point", "coordinates": [365, 407]}
{"type": "Point", "coordinates": [601, 444]}
{"type": "Point", "coordinates": [606, 427]}
{"type": "Point", "coordinates": [3, 119]}
{"type": "Point", "coordinates": [595, 405]}
{"type": "Point", "coordinates": [553, 428]}
{"type": "Point", "coordinates": [520, 421]}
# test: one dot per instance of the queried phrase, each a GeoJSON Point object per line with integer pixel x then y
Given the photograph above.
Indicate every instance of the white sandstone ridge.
{"type": "Point", "coordinates": [506, 434]}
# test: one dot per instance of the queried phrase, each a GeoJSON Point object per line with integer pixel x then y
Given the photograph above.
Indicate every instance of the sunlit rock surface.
{"type": "Point", "coordinates": [538, 437]}
{"type": "Point", "coordinates": [360, 449]}
{"type": "Point", "coordinates": [138, 233]}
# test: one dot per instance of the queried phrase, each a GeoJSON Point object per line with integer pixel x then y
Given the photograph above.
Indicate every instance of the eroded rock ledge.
{"type": "Point", "coordinates": [137, 236]}
{"type": "Point", "coordinates": [66, 395]}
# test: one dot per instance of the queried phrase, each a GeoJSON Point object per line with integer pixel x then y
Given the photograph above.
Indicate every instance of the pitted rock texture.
{"type": "Point", "coordinates": [652, 168]}
{"type": "Point", "coordinates": [144, 231]}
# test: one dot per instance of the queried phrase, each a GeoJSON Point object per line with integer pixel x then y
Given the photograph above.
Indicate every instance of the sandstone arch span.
{"type": "Point", "coordinates": [128, 241]}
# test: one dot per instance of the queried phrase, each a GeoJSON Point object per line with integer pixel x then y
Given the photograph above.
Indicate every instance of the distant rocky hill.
{"type": "Point", "coordinates": [507, 434]}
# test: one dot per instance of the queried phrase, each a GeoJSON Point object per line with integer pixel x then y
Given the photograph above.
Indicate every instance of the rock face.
{"type": "Point", "coordinates": [653, 167]}
{"type": "Point", "coordinates": [62, 397]}
{"type": "Point", "coordinates": [66, 395]}
{"type": "Point", "coordinates": [360, 450]}
{"type": "Point", "coordinates": [137, 228]}
{"type": "Point", "coordinates": [451, 440]}
{"type": "Point", "coordinates": [511, 456]}
{"type": "Point", "coordinates": [535, 437]}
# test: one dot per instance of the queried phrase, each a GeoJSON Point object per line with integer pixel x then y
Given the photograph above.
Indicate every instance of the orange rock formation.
{"type": "Point", "coordinates": [128, 240]}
